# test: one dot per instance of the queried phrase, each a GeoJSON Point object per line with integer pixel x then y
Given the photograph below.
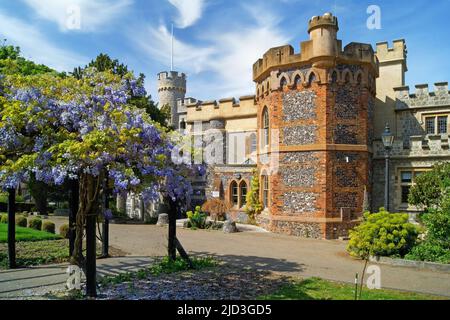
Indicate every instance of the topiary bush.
{"type": "Point", "coordinates": [64, 231]}
{"type": "Point", "coordinates": [21, 221]}
{"type": "Point", "coordinates": [49, 227]}
{"type": "Point", "coordinates": [4, 218]}
{"type": "Point", "coordinates": [35, 223]}
{"type": "Point", "coordinates": [383, 234]}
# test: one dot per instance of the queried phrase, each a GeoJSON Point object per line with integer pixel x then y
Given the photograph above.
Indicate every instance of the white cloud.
{"type": "Point", "coordinates": [189, 11]}
{"type": "Point", "coordinates": [94, 14]}
{"type": "Point", "coordinates": [36, 46]}
{"type": "Point", "coordinates": [225, 57]}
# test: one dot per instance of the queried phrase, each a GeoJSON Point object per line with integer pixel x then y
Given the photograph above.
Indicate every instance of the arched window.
{"type": "Point", "coordinates": [283, 83]}
{"type": "Point", "coordinates": [265, 190]}
{"type": "Point", "coordinates": [359, 79]}
{"type": "Point", "coordinates": [297, 81]}
{"type": "Point", "coordinates": [347, 77]}
{"type": "Point", "coordinates": [334, 77]}
{"type": "Point", "coordinates": [265, 128]}
{"type": "Point", "coordinates": [234, 193]}
{"type": "Point", "coordinates": [312, 78]}
{"type": "Point", "coordinates": [243, 194]}
{"type": "Point", "coordinates": [183, 124]}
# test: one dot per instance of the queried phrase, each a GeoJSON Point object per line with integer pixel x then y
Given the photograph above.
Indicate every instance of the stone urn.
{"type": "Point", "coordinates": [163, 220]}
{"type": "Point", "coordinates": [230, 227]}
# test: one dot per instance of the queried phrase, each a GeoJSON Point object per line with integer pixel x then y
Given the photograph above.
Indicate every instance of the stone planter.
{"type": "Point", "coordinates": [433, 266]}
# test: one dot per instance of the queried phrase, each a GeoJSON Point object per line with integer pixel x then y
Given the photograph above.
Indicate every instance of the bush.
{"type": "Point", "coordinates": [428, 251]}
{"type": "Point", "coordinates": [49, 227]}
{"type": "Point", "coordinates": [197, 218]}
{"type": "Point", "coordinates": [4, 218]}
{"type": "Point", "coordinates": [383, 234]}
{"type": "Point", "coordinates": [64, 231]}
{"type": "Point", "coordinates": [216, 208]}
{"type": "Point", "coordinates": [21, 221]}
{"type": "Point", "coordinates": [35, 223]}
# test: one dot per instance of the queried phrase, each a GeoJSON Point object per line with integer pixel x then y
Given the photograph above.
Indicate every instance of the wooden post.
{"type": "Point", "coordinates": [172, 246]}
{"type": "Point", "coordinates": [105, 231]}
{"type": "Point", "coordinates": [183, 253]}
{"type": "Point", "coordinates": [73, 210]}
{"type": "Point", "coordinates": [91, 255]}
{"type": "Point", "coordinates": [12, 228]}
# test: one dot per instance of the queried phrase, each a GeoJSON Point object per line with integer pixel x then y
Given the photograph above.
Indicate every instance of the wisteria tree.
{"type": "Point", "coordinates": [56, 129]}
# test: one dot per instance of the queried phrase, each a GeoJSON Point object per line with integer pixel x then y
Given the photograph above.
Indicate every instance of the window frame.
{"type": "Point", "coordinates": [435, 117]}
{"type": "Point", "coordinates": [401, 184]}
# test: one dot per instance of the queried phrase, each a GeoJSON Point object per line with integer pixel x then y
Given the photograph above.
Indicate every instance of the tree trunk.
{"type": "Point", "coordinates": [74, 198]}
{"type": "Point", "coordinates": [12, 228]}
{"type": "Point", "coordinates": [86, 218]}
{"type": "Point", "coordinates": [172, 246]}
{"type": "Point", "coordinates": [39, 192]}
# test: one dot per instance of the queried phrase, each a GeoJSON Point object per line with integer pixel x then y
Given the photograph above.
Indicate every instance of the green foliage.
{"type": "Point", "coordinates": [436, 246]}
{"type": "Point", "coordinates": [36, 252]}
{"type": "Point", "coordinates": [26, 234]}
{"type": "Point", "coordinates": [197, 218]}
{"type": "Point", "coordinates": [4, 198]}
{"type": "Point", "coordinates": [431, 187]}
{"type": "Point", "coordinates": [4, 218]}
{"type": "Point", "coordinates": [429, 251]}
{"type": "Point", "coordinates": [11, 62]}
{"type": "Point", "coordinates": [319, 289]}
{"type": "Point", "coordinates": [254, 205]}
{"type": "Point", "coordinates": [64, 231]}
{"type": "Point", "coordinates": [49, 227]}
{"type": "Point", "coordinates": [382, 234]}
{"type": "Point", "coordinates": [35, 223]}
{"type": "Point", "coordinates": [21, 221]}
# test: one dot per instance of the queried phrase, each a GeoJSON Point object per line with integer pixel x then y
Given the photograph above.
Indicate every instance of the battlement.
{"type": "Point", "coordinates": [172, 75]}
{"type": "Point", "coordinates": [228, 108]}
{"type": "Point", "coordinates": [323, 50]}
{"type": "Point", "coordinates": [187, 101]}
{"type": "Point", "coordinates": [386, 54]}
{"type": "Point", "coordinates": [326, 20]}
{"type": "Point", "coordinates": [422, 97]}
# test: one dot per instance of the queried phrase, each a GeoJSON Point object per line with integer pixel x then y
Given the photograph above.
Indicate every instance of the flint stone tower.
{"type": "Point", "coordinates": [321, 101]}
{"type": "Point", "coordinates": [171, 89]}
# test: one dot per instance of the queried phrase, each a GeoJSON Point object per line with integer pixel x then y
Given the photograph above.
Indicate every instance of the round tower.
{"type": "Point", "coordinates": [171, 89]}
{"type": "Point", "coordinates": [323, 33]}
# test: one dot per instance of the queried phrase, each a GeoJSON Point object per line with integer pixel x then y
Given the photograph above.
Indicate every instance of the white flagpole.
{"type": "Point", "coordinates": [171, 53]}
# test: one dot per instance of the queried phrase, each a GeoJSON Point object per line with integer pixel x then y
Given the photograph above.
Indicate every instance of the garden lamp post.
{"type": "Point", "coordinates": [388, 141]}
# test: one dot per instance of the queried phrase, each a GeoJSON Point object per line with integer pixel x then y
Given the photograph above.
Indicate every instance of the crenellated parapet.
{"type": "Point", "coordinates": [389, 55]}
{"type": "Point", "coordinates": [322, 51]}
{"type": "Point", "coordinates": [422, 97]}
{"type": "Point", "coordinates": [420, 146]}
{"type": "Point", "coordinates": [223, 109]}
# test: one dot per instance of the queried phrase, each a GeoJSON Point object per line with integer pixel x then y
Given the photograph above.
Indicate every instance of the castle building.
{"type": "Point", "coordinates": [312, 132]}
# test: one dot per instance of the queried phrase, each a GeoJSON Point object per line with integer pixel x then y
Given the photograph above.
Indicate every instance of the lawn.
{"type": "Point", "coordinates": [33, 253]}
{"type": "Point", "coordinates": [26, 234]}
{"type": "Point", "coordinates": [318, 289]}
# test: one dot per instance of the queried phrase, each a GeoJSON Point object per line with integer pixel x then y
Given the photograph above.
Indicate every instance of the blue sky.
{"type": "Point", "coordinates": [216, 41]}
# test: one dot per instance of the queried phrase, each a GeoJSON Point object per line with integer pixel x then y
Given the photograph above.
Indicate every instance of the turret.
{"type": "Point", "coordinates": [323, 34]}
{"type": "Point", "coordinates": [171, 89]}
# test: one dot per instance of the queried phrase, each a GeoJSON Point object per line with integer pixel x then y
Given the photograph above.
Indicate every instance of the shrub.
{"type": "Point", "coordinates": [64, 231]}
{"type": "Point", "coordinates": [254, 206]}
{"type": "Point", "coordinates": [35, 223]}
{"type": "Point", "coordinates": [48, 226]}
{"type": "Point", "coordinates": [429, 251]}
{"type": "Point", "coordinates": [382, 234]}
{"type": "Point", "coordinates": [21, 221]}
{"type": "Point", "coordinates": [4, 218]}
{"type": "Point", "coordinates": [216, 208]}
{"type": "Point", "coordinates": [197, 218]}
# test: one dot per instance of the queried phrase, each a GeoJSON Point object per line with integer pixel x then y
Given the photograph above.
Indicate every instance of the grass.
{"type": "Point", "coordinates": [26, 234]}
{"type": "Point", "coordinates": [162, 266]}
{"type": "Point", "coordinates": [36, 253]}
{"type": "Point", "coordinates": [319, 289]}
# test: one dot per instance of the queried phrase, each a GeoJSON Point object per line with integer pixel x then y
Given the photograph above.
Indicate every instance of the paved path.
{"type": "Point", "coordinates": [26, 283]}
{"type": "Point", "coordinates": [278, 253]}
